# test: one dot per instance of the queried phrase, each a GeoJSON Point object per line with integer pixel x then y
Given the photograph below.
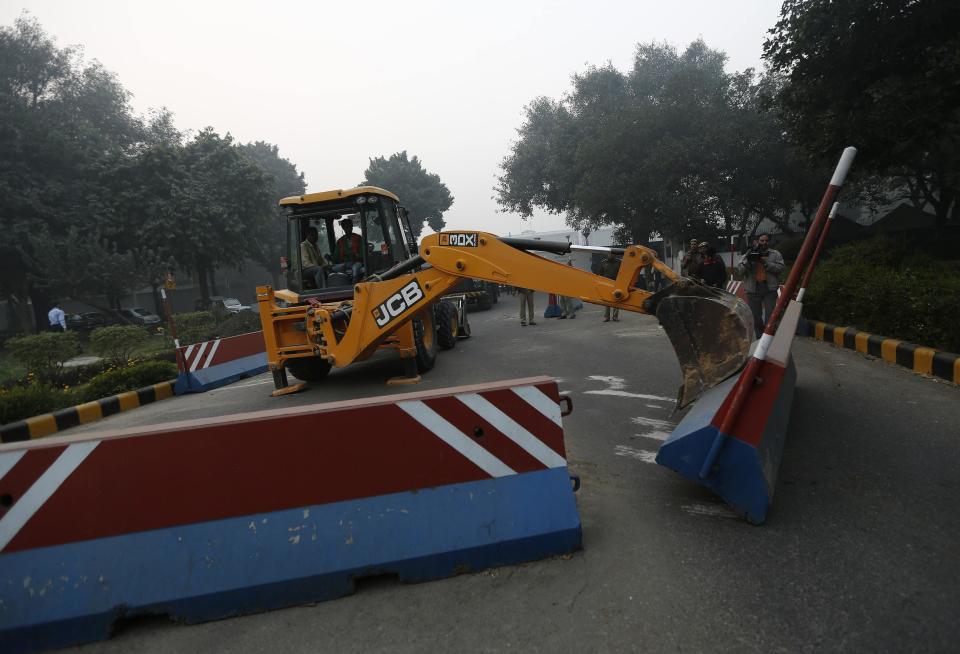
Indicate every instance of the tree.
{"type": "Point", "coordinates": [63, 125]}
{"type": "Point", "coordinates": [883, 75]}
{"type": "Point", "coordinates": [284, 181]}
{"type": "Point", "coordinates": [421, 192]}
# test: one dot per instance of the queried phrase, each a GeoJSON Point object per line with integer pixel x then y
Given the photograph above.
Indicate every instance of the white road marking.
{"type": "Point", "coordinates": [653, 422]}
{"type": "Point", "coordinates": [642, 455]}
{"type": "Point", "coordinates": [712, 510]}
{"type": "Point", "coordinates": [656, 435]}
{"type": "Point", "coordinates": [615, 386]}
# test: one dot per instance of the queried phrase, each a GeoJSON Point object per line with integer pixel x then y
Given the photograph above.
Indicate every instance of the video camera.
{"type": "Point", "coordinates": [754, 255]}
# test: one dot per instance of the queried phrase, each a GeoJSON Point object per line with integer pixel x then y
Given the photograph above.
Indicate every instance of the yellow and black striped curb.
{"type": "Point", "coordinates": [921, 359]}
{"type": "Point", "coordinates": [51, 423]}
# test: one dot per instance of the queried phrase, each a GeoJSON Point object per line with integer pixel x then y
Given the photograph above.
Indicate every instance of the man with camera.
{"type": "Point", "coordinates": [761, 268]}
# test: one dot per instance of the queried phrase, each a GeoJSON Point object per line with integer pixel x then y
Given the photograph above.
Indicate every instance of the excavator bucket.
{"type": "Point", "coordinates": [710, 330]}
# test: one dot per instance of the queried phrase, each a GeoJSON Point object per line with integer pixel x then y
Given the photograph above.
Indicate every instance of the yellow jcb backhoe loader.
{"type": "Point", "coordinates": [329, 320]}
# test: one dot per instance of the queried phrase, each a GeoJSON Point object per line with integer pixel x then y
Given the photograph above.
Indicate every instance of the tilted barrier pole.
{"type": "Point", "coordinates": [805, 284]}
{"type": "Point", "coordinates": [749, 375]}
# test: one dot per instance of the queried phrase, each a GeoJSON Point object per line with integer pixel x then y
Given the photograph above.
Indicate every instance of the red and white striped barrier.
{"type": "Point", "coordinates": [222, 516]}
{"type": "Point", "coordinates": [219, 362]}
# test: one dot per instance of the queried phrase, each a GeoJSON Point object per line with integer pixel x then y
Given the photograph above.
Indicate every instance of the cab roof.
{"type": "Point", "coordinates": [337, 194]}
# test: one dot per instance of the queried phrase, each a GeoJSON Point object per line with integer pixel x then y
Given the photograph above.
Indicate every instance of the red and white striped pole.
{"type": "Point", "coordinates": [749, 375]}
{"type": "Point", "coordinates": [805, 284]}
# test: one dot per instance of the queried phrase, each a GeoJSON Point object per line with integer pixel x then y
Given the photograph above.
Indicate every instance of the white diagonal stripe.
{"type": "Point", "coordinates": [541, 402]}
{"type": "Point", "coordinates": [8, 460]}
{"type": "Point", "coordinates": [42, 489]}
{"type": "Point", "coordinates": [506, 425]}
{"type": "Point", "coordinates": [455, 438]}
{"type": "Point", "coordinates": [186, 355]}
{"type": "Point", "coordinates": [196, 362]}
{"type": "Point", "coordinates": [213, 350]}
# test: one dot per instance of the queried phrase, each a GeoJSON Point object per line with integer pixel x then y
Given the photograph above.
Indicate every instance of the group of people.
{"type": "Point", "coordinates": [760, 269]}
{"type": "Point", "coordinates": [347, 255]}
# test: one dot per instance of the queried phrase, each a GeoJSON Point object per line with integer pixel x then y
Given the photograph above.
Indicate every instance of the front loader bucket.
{"type": "Point", "coordinates": [710, 330]}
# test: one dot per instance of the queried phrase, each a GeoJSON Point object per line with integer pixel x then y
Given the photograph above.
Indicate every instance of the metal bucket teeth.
{"type": "Point", "coordinates": [710, 330]}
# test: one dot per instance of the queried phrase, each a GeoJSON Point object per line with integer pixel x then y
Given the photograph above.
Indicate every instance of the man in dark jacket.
{"type": "Point", "coordinates": [713, 271]}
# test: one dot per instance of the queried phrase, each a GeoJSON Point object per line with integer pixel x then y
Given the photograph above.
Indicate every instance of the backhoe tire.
{"type": "Point", "coordinates": [425, 337]}
{"type": "Point", "coordinates": [447, 325]}
{"type": "Point", "coordinates": [308, 369]}
{"type": "Point", "coordinates": [484, 303]}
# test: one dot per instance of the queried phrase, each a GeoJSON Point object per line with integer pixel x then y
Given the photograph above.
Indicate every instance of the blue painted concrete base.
{"type": "Point", "coordinates": [744, 476]}
{"type": "Point", "coordinates": [206, 379]}
{"type": "Point", "coordinates": [69, 594]}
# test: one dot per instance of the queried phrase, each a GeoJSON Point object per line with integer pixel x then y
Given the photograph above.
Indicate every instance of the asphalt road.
{"type": "Point", "coordinates": [860, 551]}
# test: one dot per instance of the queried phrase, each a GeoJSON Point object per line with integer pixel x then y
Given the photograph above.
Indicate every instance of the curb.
{"type": "Point", "coordinates": [51, 423]}
{"type": "Point", "coordinates": [920, 359]}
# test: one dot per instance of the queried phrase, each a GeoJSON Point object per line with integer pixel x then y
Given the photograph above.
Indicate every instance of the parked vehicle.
{"type": "Point", "coordinates": [88, 321]}
{"type": "Point", "coordinates": [140, 316]}
{"type": "Point", "coordinates": [219, 305]}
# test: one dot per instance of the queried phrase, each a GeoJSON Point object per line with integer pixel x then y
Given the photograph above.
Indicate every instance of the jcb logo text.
{"type": "Point", "coordinates": [459, 240]}
{"type": "Point", "coordinates": [397, 303]}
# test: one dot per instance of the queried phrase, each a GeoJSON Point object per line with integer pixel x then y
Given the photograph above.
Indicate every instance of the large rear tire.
{"type": "Point", "coordinates": [424, 335]}
{"type": "Point", "coordinates": [484, 303]}
{"type": "Point", "coordinates": [447, 325]}
{"type": "Point", "coordinates": [308, 369]}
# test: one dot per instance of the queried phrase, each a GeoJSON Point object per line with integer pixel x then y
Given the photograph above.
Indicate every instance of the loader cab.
{"type": "Point", "coordinates": [382, 238]}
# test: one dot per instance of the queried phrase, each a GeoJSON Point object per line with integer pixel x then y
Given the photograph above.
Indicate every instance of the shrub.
{"type": "Point", "coordinates": [879, 286]}
{"type": "Point", "coordinates": [195, 327]}
{"type": "Point", "coordinates": [240, 323]}
{"type": "Point", "coordinates": [31, 400]}
{"type": "Point", "coordinates": [128, 378]}
{"type": "Point", "coordinates": [117, 342]}
{"type": "Point", "coordinates": [44, 354]}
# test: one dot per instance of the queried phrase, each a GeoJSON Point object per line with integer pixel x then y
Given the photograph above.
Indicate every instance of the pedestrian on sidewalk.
{"type": "Point", "coordinates": [526, 303]}
{"type": "Point", "coordinates": [57, 318]}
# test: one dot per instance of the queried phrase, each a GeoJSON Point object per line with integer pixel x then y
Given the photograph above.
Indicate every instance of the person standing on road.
{"type": "Point", "coordinates": [567, 305]}
{"type": "Point", "coordinates": [690, 264]}
{"type": "Point", "coordinates": [761, 268]}
{"type": "Point", "coordinates": [713, 271]}
{"type": "Point", "coordinates": [58, 320]}
{"type": "Point", "coordinates": [526, 302]}
{"type": "Point", "coordinates": [609, 269]}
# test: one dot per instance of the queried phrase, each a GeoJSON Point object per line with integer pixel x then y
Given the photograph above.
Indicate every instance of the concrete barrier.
{"type": "Point", "coordinates": [218, 517]}
{"type": "Point", "coordinates": [219, 362]}
{"type": "Point", "coordinates": [744, 472]}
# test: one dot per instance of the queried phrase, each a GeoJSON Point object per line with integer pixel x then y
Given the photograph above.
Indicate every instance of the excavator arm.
{"type": "Point", "coordinates": [711, 330]}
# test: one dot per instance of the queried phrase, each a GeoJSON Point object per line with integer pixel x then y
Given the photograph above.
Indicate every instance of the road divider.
{"type": "Point", "coordinates": [50, 423]}
{"type": "Point", "coordinates": [218, 362]}
{"type": "Point", "coordinates": [217, 517]}
{"type": "Point", "coordinates": [925, 360]}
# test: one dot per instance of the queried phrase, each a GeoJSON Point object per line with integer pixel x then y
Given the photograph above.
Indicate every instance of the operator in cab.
{"type": "Point", "coordinates": [348, 252]}
{"type": "Point", "coordinates": [313, 262]}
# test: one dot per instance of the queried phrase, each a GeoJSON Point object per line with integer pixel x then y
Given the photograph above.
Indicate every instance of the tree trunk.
{"type": "Point", "coordinates": [213, 281]}
{"type": "Point", "coordinates": [157, 300]}
{"type": "Point", "coordinates": [42, 303]}
{"type": "Point", "coordinates": [204, 289]}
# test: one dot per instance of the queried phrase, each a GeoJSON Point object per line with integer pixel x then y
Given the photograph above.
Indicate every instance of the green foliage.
{"type": "Point", "coordinates": [882, 287]}
{"type": "Point", "coordinates": [128, 378]}
{"type": "Point", "coordinates": [117, 343]}
{"type": "Point", "coordinates": [240, 323]}
{"type": "Point", "coordinates": [195, 327]}
{"type": "Point", "coordinates": [421, 192]}
{"type": "Point", "coordinates": [675, 145]}
{"type": "Point", "coordinates": [44, 354]}
{"type": "Point", "coordinates": [880, 75]}
{"type": "Point", "coordinates": [21, 402]}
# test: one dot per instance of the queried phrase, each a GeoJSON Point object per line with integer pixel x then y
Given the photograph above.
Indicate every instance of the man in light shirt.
{"type": "Point", "coordinates": [58, 320]}
{"type": "Point", "coordinates": [312, 260]}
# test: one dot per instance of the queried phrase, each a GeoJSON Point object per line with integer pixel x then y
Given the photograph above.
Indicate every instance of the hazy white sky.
{"type": "Point", "coordinates": [336, 83]}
